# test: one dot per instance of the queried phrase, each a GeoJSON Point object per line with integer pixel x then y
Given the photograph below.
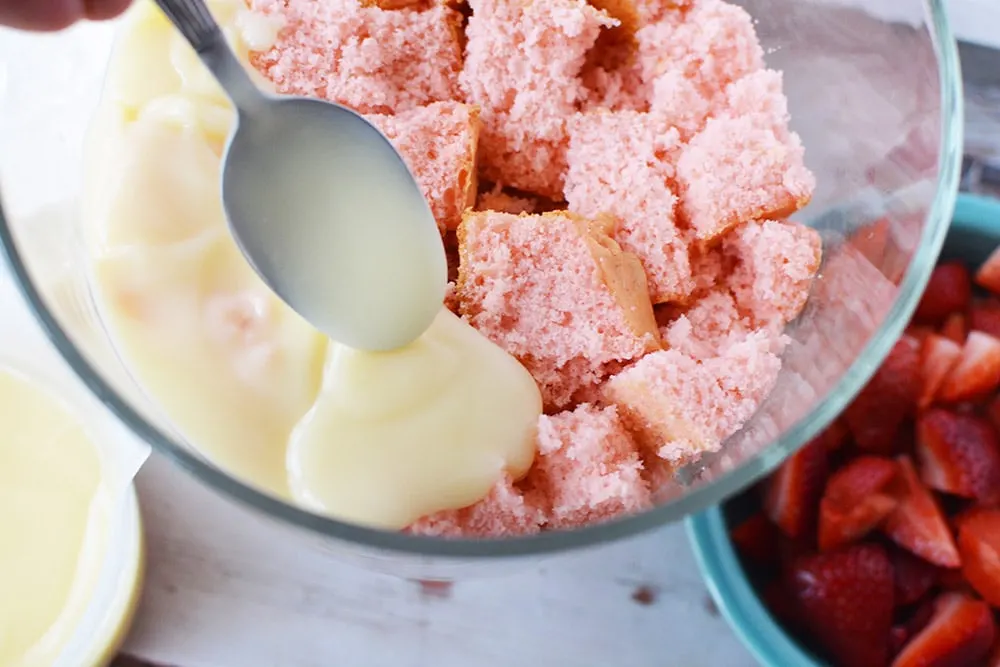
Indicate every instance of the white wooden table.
{"type": "Point", "coordinates": [222, 590]}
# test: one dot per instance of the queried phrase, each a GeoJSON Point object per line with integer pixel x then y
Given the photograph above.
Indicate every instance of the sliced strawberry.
{"type": "Point", "coordinates": [757, 541]}
{"type": "Point", "coordinates": [913, 577]}
{"type": "Point", "coordinates": [782, 606]}
{"type": "Point", "coordinates": [948, 291]}
{"type": "Point", "coordinates": [977, 371]}
{"type": "Point", "coordinates": [960, 633]}
{"type": "Point", "coordinates": [791, 495]}
{"type": "Point", "coordinates": [889, 398]}
{"type": "Point", "coordinates": [919, 332]}
{"type": "Point", "coordinates": [916, 620]}
{"type": "Point", "coordinates": [920, 616]}
{"type": "Point", "coordinates": [992, 410]}
{"type": "Point", "coordinates": [905, 438]}
{"type": "Point", "coordinates": [845, 598]}
{"type": "Point", "coordinates": [955, 328]}
{"type": "Point", "coordinates": [988, 275]}
{"type": "Point", "coordinates": [953, 581]}
{"type": "Point", "coordinates": [852, 504]}
{"type": "Point", "coordinates": [917, 523]}
{"type": "Point", "coordinates": [940, 356]}
{"type": "Point", "coordinates": [898, 638]}
{"type": "Point", "coordinates": [985, 316]}
{"type": "Point", "coordinates": [979, 544]}
{"type": "Point", "coordinates": [959, 454]}
{"type": "Point", "coordinates": [994, 659]}
{"type": "Point", "coordinates": [836, 435]}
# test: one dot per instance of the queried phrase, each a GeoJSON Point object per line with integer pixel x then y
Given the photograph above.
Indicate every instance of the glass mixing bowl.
{"type": "Point", "coordinates": [878, 106]}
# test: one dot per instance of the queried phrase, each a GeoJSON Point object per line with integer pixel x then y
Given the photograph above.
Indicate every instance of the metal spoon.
{"type": "Point", "coordinates": [322, 206]}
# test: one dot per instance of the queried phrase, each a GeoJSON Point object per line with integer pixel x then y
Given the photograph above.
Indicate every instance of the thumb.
{"type": "Point", "coordinates": [48, 15]}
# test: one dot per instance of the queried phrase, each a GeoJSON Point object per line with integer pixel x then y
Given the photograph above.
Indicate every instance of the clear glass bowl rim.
{"type": "Point", "coordinates": [936, 226]}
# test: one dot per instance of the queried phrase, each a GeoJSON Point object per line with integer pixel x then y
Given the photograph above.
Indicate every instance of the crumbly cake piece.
{"type": "Point", "coordinates": [497, 199]}
{"type": "Point", "coordinates": [521, 67]}
{"type": "Point", "coordinates": [504, 512]}
{"type": "Point", "coordinates": [712, 44]}
{"type": "Point", "coordinates": [558, 293]}
{"type": "Point", "coordinates": [613, 73]}
{"type": "Point", "coordinates": [368, 58]}
{"type": "Point", "coordinates": [587, 469]}
{"type": "Point", "coordinates": [439, 143]}
{"type": "Point", "coordinates": [681, 408]}
{"type": "Point", "coordinates": [408, 4]}
{"type": "Point", "coordinates": [617, 87]}
{"type": "Point", "coordinates": [775, 263]}
{"type": "Point", "coordinates": [638, 192]}
{"type": "Point", "coordinates": [738, 169]}
{"type": "Point", "coordinates": [707, 328]}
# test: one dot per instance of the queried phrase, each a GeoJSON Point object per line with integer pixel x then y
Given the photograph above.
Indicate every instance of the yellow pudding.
{"type": "Point", "coordinates": [56, 509]}
{"type": "Point", "coordinates": [395, 436]}
{"type": "Point", "coordinates": [380, 439]}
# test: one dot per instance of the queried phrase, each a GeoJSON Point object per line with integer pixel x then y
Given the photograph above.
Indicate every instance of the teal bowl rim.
{"type": "Point", "coordinates": [717, 560]}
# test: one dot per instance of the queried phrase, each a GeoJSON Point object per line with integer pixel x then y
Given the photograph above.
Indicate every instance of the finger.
{"type": "Point", "coordinates": [101, 10]}
{"type": "Point", "coordinates": [40, 15]}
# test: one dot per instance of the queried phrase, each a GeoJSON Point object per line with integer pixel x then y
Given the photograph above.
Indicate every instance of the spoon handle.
{"type": "Point", "coordinates": [194, 21]}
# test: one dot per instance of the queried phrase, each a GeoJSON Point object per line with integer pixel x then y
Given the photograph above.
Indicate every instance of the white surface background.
{"type": "Point", "coordinates": [223, 590]}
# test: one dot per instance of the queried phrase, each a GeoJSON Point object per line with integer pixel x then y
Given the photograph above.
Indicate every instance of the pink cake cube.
{"type": "Point", "coordinates": [710, 326]}
{"type": "Point", "coordinates": [371, 59]}
{"type": "Point", "coordinates": [775, 263]}
{"type": "Point", "coordinates": [738, 169]}
{"type": "Point", "coordinates": [505, 512]}
{"type": "Point", "coordinates": [759, 95]}
{"type": "Point", "coordinates": [588, 468]}
{"type": "Point", "coordinates": [501, 201]}
{"type": "Point", "coordinates": [558, 293]}
{"type": "Point", "coordinates": [689, 58]}
{"type": "Point", "coordinates": [439, 143]}
{"type": "Point", "coordinates": [615, 88]}
{"type": "Point", "coordinates": [637, 192]}
{"type": "Point", "coordinates": [680, 407]}
{"type": "Point", "coordinates": [712, 44]}
{"type": "Point", "coordinates": [522, 66]}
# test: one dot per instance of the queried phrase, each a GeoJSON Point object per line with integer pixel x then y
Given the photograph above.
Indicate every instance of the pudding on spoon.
{"type": "Point", "coordinates": [322, 206]}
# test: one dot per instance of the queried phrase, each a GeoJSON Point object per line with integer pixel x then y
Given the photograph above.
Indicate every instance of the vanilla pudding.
{"type": "Point", "coordinates": [381, 439]}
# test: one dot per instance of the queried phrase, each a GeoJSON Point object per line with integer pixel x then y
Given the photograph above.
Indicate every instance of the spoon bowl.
{"type": "Point", "coordinates": [322, 206]}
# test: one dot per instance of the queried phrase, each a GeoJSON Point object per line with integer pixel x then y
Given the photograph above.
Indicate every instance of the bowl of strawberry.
{"type": "Point", "coordinates": [878, 543]}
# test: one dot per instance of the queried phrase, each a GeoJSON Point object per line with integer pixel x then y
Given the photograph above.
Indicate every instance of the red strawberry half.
{"type": "Point", "coordinates": [985, 316]}
{"type": "Point", "coordinates": [846, 602]}
{"type": "Point", "coordinates": [979, 544]}
{"type": "Point", "coordinates": [939, 356]}
{"type": "Point", "coordinates": [988, 275]}
{"type": "Point", "coordinates": [757, 540]}
{"type": "Point", "coordinates": [915, 622]}
{"type": "Point", "coordinates": [948, 291]}
{"type": "Point", "coordinates": [913, 576]}
{"type": "Point", "coordinates": [917, 523]}
{"type": "Point", "coordinates": [791, 495]}
{"type": "Point", "coordinates": [960, 633]}
{"type": "Point", "coordinates": [853, 504]}
{"type": "Point", "coordinates": [955, 328]}
{"type": "Point", "coordinates": [993, 412]}
{"type": "Point", "coordinates": [977, 371]}
{"type": "Point", "coordinates": [890, 397]}
{"type": "Point", "coordinates": [959, 454]}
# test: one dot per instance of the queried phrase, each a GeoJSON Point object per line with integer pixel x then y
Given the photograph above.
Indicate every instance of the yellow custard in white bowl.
{"type": "Point", "coordinates": [71, 556]}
